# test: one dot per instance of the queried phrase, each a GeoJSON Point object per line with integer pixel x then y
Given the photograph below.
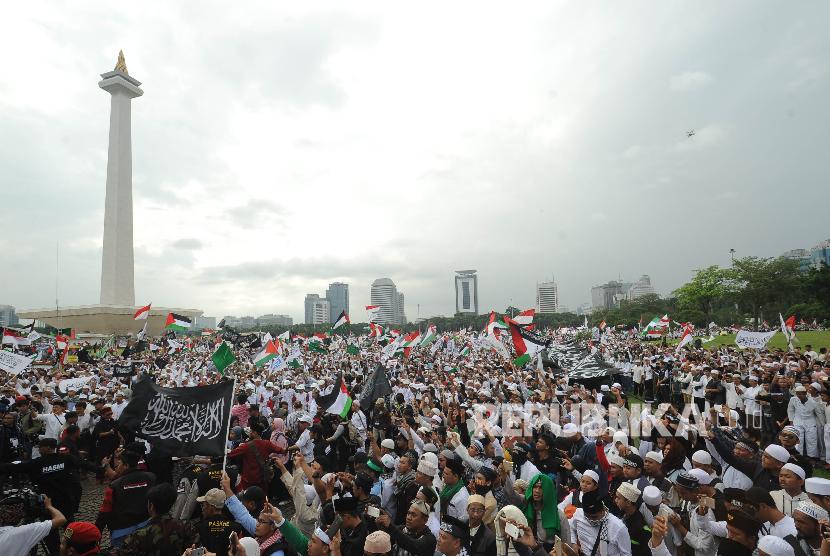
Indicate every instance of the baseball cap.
{"type": "Point", "coordinates": [215, 497]}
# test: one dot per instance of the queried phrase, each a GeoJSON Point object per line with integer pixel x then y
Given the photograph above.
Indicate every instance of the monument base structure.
{"type": "Point", "coordinates": [106, 319]}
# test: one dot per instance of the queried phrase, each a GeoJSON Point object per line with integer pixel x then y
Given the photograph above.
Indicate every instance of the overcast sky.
{"type": "Point", "coordinates": [279, 147]}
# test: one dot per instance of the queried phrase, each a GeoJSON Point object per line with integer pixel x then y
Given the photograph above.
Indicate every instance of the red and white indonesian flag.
{"type": "Point", "coordinates": [413, 339]}
{"type": "Point", "coordinates": [341, 320]}
{"type": "Point", "coordinates": [788, 328]}
{"type": "Point", "coordinates": [372, 312]}
{"type": "Point", "coordinates": [15, 338]}
{"type": "Point", "coordinates": [686, 337]}
{"type": "Point", "coordinates": [142, 313]}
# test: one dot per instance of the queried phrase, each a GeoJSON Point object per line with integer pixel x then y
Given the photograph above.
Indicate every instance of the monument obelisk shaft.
{"type": "Point", "coordinates": [117, 267]}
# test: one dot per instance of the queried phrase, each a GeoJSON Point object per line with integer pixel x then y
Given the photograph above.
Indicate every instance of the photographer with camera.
{"type": "Point", "coordinates": [19, 540]}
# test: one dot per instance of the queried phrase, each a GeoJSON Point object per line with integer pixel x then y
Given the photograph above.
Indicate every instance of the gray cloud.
{"type": "Point", "coordinates": [188, 244]}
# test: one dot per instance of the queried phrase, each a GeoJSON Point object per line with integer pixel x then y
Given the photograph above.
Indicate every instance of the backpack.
{"type": "Point", "coordinates": [267, 470]}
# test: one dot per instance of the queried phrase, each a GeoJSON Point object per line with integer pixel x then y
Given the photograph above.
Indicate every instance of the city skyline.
{"type": "Point", "coordinates": [583, 110]}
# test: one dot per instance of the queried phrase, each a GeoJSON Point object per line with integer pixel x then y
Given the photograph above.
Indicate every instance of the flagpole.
{"type": "Point", "coordinates": [228, 430]}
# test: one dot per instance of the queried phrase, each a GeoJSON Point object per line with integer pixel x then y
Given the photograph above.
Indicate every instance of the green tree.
{"type": "Point", "coordinates": [769, 285]}
{"type": "Point", "coordinates": [703, 292]}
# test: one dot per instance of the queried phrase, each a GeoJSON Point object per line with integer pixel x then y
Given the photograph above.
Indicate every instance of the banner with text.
{"type": "Point", "coordinates": [13, 363]}
{"type": "Point", "coordinates": [753, 340]}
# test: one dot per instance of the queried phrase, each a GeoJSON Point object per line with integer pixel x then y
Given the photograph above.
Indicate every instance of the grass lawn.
{"type": "Point", "coordinates": [817, 339]}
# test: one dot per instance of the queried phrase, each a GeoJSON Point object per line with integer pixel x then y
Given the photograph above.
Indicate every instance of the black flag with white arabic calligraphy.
{"type": "Point", "coordinates": [183, 421]}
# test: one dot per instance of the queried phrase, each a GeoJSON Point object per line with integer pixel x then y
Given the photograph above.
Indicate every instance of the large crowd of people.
{"type": "Point", "coordinates": [693, 451]}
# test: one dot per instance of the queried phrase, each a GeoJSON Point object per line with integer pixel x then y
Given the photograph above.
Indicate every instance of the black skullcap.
{"type": "Point", "coordinates": [456, 466]}
{"type": "Point", "coordinates": [687, 480]}
{"type": "Point", "coordinates": [757, 495]}
{"type": "Point", "coordinates": [488, 472]}
{"type": "Point", "coordinates": [592, 502]}
{"type": "Point", "coordinates": [346, 504]}
{"type": "Point", "coordinates": [743, 521]}
{"type": "Point", "coordinates": [455, 527]}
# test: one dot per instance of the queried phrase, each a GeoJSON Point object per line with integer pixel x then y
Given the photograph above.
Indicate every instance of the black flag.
{"type": "Point", "coordinates": [377, 386]}
{"type": "Point", "coordinates": [185, 421]}
{"type": "Point", "coordinates": [123, 370]}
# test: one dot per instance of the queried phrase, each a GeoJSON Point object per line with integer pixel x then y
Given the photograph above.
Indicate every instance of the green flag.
{"type": "Point", "coordinates": [353, 349]}
{"type": "Point", "coordinates": [222, 358]}
{"type": "Point", "coordinates": [294, 364]}
{"type": "Point", "coordinates": [317, 347]}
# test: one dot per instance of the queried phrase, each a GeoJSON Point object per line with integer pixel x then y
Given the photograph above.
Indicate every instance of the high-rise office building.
{"type": "Point", "coordinates": [466, 291]}
{"type": "Point", "coordinates": [200, 323]}
{"type": "Point", "coordinates": [338, 297]}
{"type": "Point", "coordinates": [384, 294]}
{"type": "Point", "coordinates": [274, 320]}
{"type": "Point", "coordinates": [316, 309]}
{"type": "Point", "coordinates": [640, 287]}
{"type": "Point", "coordinates": [8, 316]}
{"type": "Point", "coordinates": [401, 315]}
{"type": "Point", "coordinates": [605, 296]}
{"type": "Point", "coordinates": [547, 297]}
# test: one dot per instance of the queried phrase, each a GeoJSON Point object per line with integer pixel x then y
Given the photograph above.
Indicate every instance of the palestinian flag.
{"type": "Point", "coordinates": [524, 318]}
{"type": "Point", "coordinates": [341, 320]}
{"type": "Point", "coordinates": [177, 322]}
{"type": "Point", "coordinates": [526, 343]}
{"type": "Point", "coordinates": [142, 313]}
{"type": "Point", "coordinates": [429, 336]}
{"type": "Point", "coordinates": [67, 332]}
{"type": "Point", "coordinates": [285, 337]}
{"type": "Point", "coordinates": [465, 351]}
{"type": "Point", "coordinates": [222, 358]}
{"type": "Point", "coordinates": [375, 330]}
{"type": "Point", "coordinates": [372, 312]}
{"type": "Point", "coordinates": [412, 339]}
{"type": "Point", "coordinates": [657, 327]}
{"type": "Point", "coordinates": [353, 350]}
{"type": "Point", "coordinates": [494, 325]}
{"type": "Point", "coordinates": [266, 354]}
{"type": "Point", "coordinates": [338, 402]}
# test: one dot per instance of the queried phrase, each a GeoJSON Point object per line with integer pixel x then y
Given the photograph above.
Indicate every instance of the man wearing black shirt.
{"type": "Point", "coordinates": [413, 539]}
{"type": "Point", "coordinates": [56, 475]}
{"type": "Point", "coordinates": [215, 527]}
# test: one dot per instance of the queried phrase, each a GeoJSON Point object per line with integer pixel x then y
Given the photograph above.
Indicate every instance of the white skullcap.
{"type": "Point", "coordinates": [655, 456]}
{"type": "Point", "coordinates": [615, 459]}
{"type": "Point", "coordinates": [778, 452]}
{"type": "Point", "coordinates": [387, 443]}
{"type": "Point", "coordinates": [775, 546]}
{"type": "Point", "coordinates": [569, 430]}
{"type": "Point", "coordinates": [795, 469]}
{"type": "Point", "coordinates": [592, 474]}
{"type": "Point", "coordinates": [620, 436]}
{"type": "Point", "coordinates": [816, 386]}
{"type": "Point", "coordinates": [320, 534]}
{"type": "Point", "coordinates": [388, 461]}
{"type": "Point", "coordinates": [818, 486]}
{"type": "Point", "coordinates": [652, 496]}
{"type": "Point", "coordinates": [310, 494]}
{"type": "Point", "coordinates": [702, 476]}
{"type": "Point", "coordinates": [799, 388]}
{"type": "Point", "coordinates": [812, 510]}
{"type": "Point", "coordinates": [250, 546]}
{"type": "Point", "coordinates": [628, 491]}
{"type": "Point", "coordinates": [702, 458]}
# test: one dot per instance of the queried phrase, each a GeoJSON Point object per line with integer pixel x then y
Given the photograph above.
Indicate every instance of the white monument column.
{"type": "Point", "coordinates": [117, 274]}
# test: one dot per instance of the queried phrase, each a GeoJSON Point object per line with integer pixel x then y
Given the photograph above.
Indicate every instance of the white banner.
{"type": "Point", "coordinates": [73, 383]}
{"type": "Point", "coordinates": [13, 363]}
{"type": "Point", "coordinates": [277, 363]}
{"type": "Point", "coordinates": [753, 340]}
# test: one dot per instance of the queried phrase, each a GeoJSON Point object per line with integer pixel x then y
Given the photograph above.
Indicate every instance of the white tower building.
{"type": "Point", "coordinates": [117, 272]}
{"type": "Point", "coordinates": [547, 297]}
{"type": "Point", "coordinates": [384, 294]}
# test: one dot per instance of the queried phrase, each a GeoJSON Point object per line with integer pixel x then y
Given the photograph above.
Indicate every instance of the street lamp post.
{"type": "Point", "coordinates": [732, 254]}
